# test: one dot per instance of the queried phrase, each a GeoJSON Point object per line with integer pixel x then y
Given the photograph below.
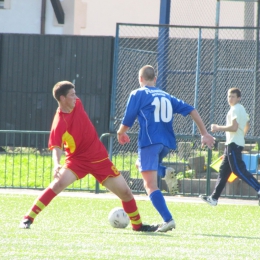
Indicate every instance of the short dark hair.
{"type": "Point", "coordinates": [235, 91]}
{"type": "Point", "coordinates": [61, 89]}
{"type": "Point", "coordinates": [147, 72]}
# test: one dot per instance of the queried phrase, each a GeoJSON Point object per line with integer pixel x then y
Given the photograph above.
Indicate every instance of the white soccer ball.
{"type": "Point", "coordinates": [118, 218]}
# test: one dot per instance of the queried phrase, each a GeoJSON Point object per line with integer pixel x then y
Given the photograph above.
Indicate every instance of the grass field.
{"type": "Point", "coordinates": [27, 168]}
{"type": "Point", "coordinates": [77, 228]}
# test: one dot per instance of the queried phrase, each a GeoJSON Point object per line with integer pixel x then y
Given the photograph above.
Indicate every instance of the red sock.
{"type": "Point", "coordinates": [133, 213]}
{"type": "Point", "coordinates": [40, 203]}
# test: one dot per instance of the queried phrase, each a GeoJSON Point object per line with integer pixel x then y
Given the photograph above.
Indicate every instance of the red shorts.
{"type": "Point", "coordinates": [101, 170]}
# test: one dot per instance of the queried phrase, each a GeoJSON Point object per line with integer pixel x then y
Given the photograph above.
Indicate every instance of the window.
{"type": "Point", "coordinates": [5, 4]}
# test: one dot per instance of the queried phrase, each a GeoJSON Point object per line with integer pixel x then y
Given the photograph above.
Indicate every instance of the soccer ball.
{"type": "Point", "coordinates": [118, 218]}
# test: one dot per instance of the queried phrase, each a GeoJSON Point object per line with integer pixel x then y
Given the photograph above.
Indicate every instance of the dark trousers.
{"type": "Point", "coordinates": [232, 162]}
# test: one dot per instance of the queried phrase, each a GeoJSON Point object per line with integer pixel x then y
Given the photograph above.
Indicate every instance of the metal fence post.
{"type": "Point", "coordinates": [208, 171]}
{"type": "Point", "coordinates": [196, 98]}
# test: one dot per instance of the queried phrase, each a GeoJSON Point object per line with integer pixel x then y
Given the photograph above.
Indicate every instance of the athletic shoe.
{"type": "Point", "coordinates": [147, 228]}
{"type": "Point", "coordinates": [209, 200]}
{"type": "Point", "coordinates": [25, 223]}
{"type": "Point", "coordinates": [166, 226]}
{"type": "Point", "coordinates": [171, 181]}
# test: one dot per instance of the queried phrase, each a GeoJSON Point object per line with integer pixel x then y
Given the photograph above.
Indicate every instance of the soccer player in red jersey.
{"type": "Point", "coordinates": [85, 153]}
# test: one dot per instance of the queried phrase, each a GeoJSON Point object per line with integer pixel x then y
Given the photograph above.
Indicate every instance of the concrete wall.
{"type": "Point", "coordinates": [99, 17]}
{"type": "Point", "coordinates": [22, 17]}
{"type": "Point", "coordinates": [82, 17]}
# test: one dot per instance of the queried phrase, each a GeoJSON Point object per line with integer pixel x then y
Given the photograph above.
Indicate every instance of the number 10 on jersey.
{"type": "Point", "coordinates": [163, 109]}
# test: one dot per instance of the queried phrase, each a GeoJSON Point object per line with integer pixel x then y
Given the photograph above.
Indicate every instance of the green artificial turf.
{"type": "Point", "coordinates": [77, 228]}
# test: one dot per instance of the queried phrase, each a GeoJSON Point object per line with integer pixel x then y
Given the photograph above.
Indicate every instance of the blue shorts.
{"type": "Point", "coordinates": [150, 158]}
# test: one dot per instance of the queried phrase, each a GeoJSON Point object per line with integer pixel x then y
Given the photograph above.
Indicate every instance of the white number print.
{"type": "Point", "coordinates": [163, 110]}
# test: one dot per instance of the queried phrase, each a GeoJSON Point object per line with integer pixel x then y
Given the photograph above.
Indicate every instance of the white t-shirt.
{"type": "Point", "coordinates": [237, 112]}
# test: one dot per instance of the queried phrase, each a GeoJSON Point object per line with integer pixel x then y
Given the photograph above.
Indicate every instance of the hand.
{"type": "Point", "coordinates": [123, 138]}
{"type": "Point", "coordinates": [137, 164]}
{"type": "Point", "coordinates": [214, 128]}
{"type": "Point", "coordinates": [56, 171]}
{"type": "Point", "coordinates": [208, 140]}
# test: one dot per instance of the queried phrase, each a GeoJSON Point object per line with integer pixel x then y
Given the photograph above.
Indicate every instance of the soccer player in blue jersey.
{"type": "Point", "coordinates": [154, 109]}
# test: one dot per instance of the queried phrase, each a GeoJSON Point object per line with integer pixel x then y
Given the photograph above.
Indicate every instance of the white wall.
{"type": "Point", "coordinates": [82, 17]}
{"type": "Point", "coordinates": [102, 15]}
{"type": "Point", "coordinates": [203, 13]}
{"type": "Point", "coordinates": [24, 16]}
{"type": "Point", "coordinates": [99, 17]}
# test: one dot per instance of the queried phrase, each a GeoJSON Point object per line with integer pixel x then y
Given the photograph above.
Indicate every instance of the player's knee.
{"type": "Point", "coordinates": [57, 186]}
{"type": "Point", "coordinates": [126, 195]}
{"type": "Point", "coordinates": [150, 187]}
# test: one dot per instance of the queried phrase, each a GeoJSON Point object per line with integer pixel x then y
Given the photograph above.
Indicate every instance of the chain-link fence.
{"type": "Point", "coordinates": [195, 64]}
{"type": "Point", "coordinates": [214, 13]}
{"type": "Point", "coordinates": [191, 163]}
{"type": "Point", "coordinates": [27, 167]}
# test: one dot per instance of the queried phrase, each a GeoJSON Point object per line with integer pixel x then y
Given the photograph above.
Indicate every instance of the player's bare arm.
{"type": "Point", "coordinates": [56, 156]}
{"type": "Point", "coordinates": [225, 128]}
{"type": "Point", "coordinates": [122, 136]}
{"type": "Point", "coordinates": [246, 129]}
{"type": "Point", "coordinates": [206, 138]}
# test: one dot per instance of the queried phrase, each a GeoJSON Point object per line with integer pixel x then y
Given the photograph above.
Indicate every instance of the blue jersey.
{"type": "Point", "coordinates": [154, 109]}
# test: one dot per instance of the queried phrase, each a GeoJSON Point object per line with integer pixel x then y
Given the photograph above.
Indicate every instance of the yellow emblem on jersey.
{"type": "Point", "coordinates": [69, 142]}
{"type": "Point", "coordinates": [115, 170]}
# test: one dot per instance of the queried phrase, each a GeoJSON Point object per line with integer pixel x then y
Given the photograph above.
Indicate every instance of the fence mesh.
{"type": "Point", "coordinates": [195, 64]}
{"type": "Point", "coordinates": [31, 168]}
{"type": "Point", "coordinates": [208, 12]}
{"type": "Point", "coordinates": [26, 167]}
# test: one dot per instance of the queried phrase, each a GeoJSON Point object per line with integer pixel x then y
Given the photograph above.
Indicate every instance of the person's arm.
{"type": "Point", "coordinates": [206, 138]}
{"type": "Point", "coordinates": [56, 156]}
{"type": "Point", "coordinates": [246, 129]}
{"type": "Point", "coordinates": [225, 128]}
{"type": "Point", "coordinates": [122, 136]}
{"type": "Point", "coordinates": [130, 115]}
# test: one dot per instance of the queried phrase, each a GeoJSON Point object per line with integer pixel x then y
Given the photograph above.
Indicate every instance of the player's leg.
{"type": "Point", "coordinates": [107, 174]}
{"type": "Point", "coordinates": [150, 181]}
{"type": "Point", "coordinates": [119, 187]}
{"type": "Point", "coordinates": [238, 166]}
{"type": "Point", "coordinates": [168, 173]}
{"type": "Point", "coordinates": [158, 201]}
{"type": "Point", "coordinates": [171, 181]}
{"type": "Point", "coordinates": [65, 178]}
{"type": "Point", "coordinates": [149, 160]}
{"type": "Point", "coordinates": [224, 173]}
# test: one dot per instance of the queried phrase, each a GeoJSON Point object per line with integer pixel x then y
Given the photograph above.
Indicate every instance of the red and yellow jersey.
{"type": "Point", "coordinates": [75, 132]}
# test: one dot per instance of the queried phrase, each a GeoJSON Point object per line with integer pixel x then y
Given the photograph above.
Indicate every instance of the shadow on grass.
{"type": "Point", "coordinates": [151, 234]}
{"type": "Point", "coordinates": [227, 236]}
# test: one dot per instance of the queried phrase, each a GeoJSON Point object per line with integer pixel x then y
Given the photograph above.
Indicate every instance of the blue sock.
{"type": "Point", "coordinates": [159, 203]}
